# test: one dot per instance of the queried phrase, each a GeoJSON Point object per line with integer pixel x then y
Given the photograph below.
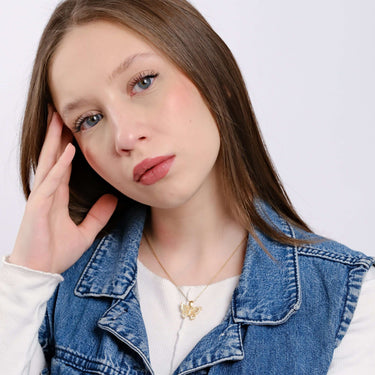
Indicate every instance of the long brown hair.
{"type": "Point", "coordinates": [177, 29]}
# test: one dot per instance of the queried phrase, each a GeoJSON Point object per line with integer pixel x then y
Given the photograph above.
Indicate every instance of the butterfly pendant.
{"type": "Point", "coordinates": [189, 311]}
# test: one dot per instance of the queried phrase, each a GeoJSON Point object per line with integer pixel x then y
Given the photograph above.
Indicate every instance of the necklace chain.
{"type": "Point", "coordinates": [188, 310]}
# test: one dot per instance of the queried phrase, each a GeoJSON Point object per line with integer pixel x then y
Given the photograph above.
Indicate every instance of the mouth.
{"type": "Point", "coordinates": [151, 170]}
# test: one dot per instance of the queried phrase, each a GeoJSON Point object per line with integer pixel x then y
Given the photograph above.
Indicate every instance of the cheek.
{"type": "Point", "coordinates": [173, 107]}
{"type": "Point", "coordinates": [91, 156]}
{"type": "Point", "coordinates": [187, 111]}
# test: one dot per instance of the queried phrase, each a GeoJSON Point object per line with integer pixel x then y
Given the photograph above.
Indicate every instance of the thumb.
{"type": "Point", "coordinates": [98, 216]}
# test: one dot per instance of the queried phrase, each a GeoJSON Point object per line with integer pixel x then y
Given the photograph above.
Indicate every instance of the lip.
{"type": "Point", "coordinates": [151, 170]}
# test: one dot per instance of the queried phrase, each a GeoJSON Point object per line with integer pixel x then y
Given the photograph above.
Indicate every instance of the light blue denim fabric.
{"type": "Point", "coordinates": [286, 317]}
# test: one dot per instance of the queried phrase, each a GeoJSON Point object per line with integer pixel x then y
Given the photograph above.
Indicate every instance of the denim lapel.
{"type": "Point", "coordinates": [112, 273]}
{"type": "Point", "coordinates": [269, 289]}
{"type": "Point", "coordinates": [223, 343]}
{"type": "Point", "coordinates": [112, 269]}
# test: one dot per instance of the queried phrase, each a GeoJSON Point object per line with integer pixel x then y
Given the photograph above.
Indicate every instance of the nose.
{"type": "Point", "coordinates": [127, 134]}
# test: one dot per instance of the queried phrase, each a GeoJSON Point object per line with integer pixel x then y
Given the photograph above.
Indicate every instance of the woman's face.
{"type": "Point", "coordinates": [141, 124]}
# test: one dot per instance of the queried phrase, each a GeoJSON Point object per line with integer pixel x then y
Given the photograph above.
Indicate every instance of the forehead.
{"type": "Point", "coordinates": [95, 45]}
{"type": "Point", "coordinates": [90, 56]}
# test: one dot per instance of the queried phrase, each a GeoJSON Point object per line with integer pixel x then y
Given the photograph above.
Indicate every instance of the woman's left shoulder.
{"type": "Point", "coordinates": [326, 248]}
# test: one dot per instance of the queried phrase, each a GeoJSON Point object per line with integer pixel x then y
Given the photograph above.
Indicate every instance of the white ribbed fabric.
{"type": "Point", "coordinates": [170, 337]}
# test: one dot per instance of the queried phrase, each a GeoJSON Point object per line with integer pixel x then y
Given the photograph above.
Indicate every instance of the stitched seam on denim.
{"type": "Point", "coordinates": [293, 309]}
{"type": "Point", "coordinates": [291, 230]}
{"type": "Point", "coordinates": [298, 278]}
{"type": "Point", "coordinates": [106, 327]}
{"type": "Point", "coordinates": [343, 310]}
{"type": "Point", "coordinates": [86, 359]}
{"type": "Point", "coordinates": [287, 227]}
{"type": "Point", "coordinates": [325, 254]}
{"type": "Point", "coordinates": [354, 284]}
{"type": "Point", "coordinates": [211, 364]}
{"type": "Point", "coordinates": [88, 265]}
{"type": "Point", "coordinates": [79, 286]}
{"type": "Point", "coordinates": [77, 367]}
{"type": "Point", "coordinates": [297, 294]}
{"type": "Point", "coordinates": [110, 308]}
{"type": "Point", "coordinates": [240, 338]}
{"type": "Point", "coordinates": [121, 338]}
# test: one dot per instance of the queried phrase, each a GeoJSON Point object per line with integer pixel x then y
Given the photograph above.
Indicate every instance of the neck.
{"type": "Point", "coordinates": [194, 240]}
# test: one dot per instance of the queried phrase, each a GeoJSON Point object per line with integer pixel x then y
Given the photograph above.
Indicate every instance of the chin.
{"type": "Point", "coordinates": [165, 199]}
{"type": "Point", "coordinates": [166, 203]}
{"type": "Point", "coordinates": [175, 193]}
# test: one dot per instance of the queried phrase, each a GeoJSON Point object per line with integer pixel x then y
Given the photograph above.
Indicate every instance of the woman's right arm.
{"type": "Point", "coordinates": [48, 240]}
{"type": "Point", "coordinates": [23, 294]}
{"type": "Point", "coordinates": [47, 244]}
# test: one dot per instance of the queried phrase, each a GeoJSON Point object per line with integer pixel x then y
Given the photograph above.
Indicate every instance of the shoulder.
{"type": "Point", "coordinates": [324, 248]}
{"type": "Point", "coordinates": [337, 275]}
{"type": "Point", "coordinates": [328, 274]}
{"type": "Point", "coordinates": [312, 244]}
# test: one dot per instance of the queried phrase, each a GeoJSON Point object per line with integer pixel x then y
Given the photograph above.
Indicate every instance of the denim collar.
{"type": "Point", "coordinates": [268, 292]}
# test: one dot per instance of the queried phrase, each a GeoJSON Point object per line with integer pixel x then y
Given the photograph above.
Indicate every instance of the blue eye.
{"type": "Point", "coordinates": [92, 120]}
{"type": "Point", "coordinates": [143, 83]}
{"type": "Point", "coordinates": [87, 122]}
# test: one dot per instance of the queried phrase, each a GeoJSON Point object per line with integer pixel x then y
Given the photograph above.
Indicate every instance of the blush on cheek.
{"type": "Point", "coordinates": [181, 99]}
{"type": "Point", "coordinates": [187, 103]}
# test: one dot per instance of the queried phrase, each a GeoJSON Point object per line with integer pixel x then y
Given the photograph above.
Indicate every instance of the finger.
{"type": "Point", "coordinates": [61, 198]}
{"type": "Point", "coordinates": [63, 190]}
{"type": "Point", "coordinates": [50, 149]}
{"type": "Point", "coordinates": [66, 178]}
{"type": "Point", "coordinates": [53, 135]}
{"type": "Point", "coordinates": [66, 138]}
{"type": "Point", "coordinates": [55, 176]}
{"type": "Point", "coordinates": [98, 217]}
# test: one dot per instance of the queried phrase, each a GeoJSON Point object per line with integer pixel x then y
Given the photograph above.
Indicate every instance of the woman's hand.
{"type": "Point", "coordinates": [48, 240]}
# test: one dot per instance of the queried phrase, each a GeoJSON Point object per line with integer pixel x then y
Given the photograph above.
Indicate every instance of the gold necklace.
{"type": "Point", "coordinates": [188, 310]}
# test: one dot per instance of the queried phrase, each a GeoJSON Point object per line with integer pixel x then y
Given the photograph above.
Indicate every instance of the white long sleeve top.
{"type": "Point", "coordinates": [24, 294]}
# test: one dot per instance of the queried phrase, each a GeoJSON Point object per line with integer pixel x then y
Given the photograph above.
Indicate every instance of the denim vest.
{"type": "Point", "coordinates": [287, 314]}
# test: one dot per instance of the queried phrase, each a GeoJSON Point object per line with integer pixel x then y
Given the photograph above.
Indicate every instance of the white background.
{"type": "Point", "coordinates": [310, 70]}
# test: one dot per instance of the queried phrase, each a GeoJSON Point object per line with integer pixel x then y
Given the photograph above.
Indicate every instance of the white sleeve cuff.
{"type": "Point", "coordinates": [23, 299]}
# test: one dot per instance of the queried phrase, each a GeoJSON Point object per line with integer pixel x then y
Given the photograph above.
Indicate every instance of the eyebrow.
{"type": "Point", "coordinates": [116, 72]}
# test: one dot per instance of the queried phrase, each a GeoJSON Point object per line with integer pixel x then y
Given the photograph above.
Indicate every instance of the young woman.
{"type": "Point", "coordinates": [155, 199]}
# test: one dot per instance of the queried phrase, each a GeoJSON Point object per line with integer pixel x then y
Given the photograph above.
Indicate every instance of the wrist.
{"type": "Point", "coordinates": [27, 263]}
{"type": "Point", "coordinates": [25, 268]}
